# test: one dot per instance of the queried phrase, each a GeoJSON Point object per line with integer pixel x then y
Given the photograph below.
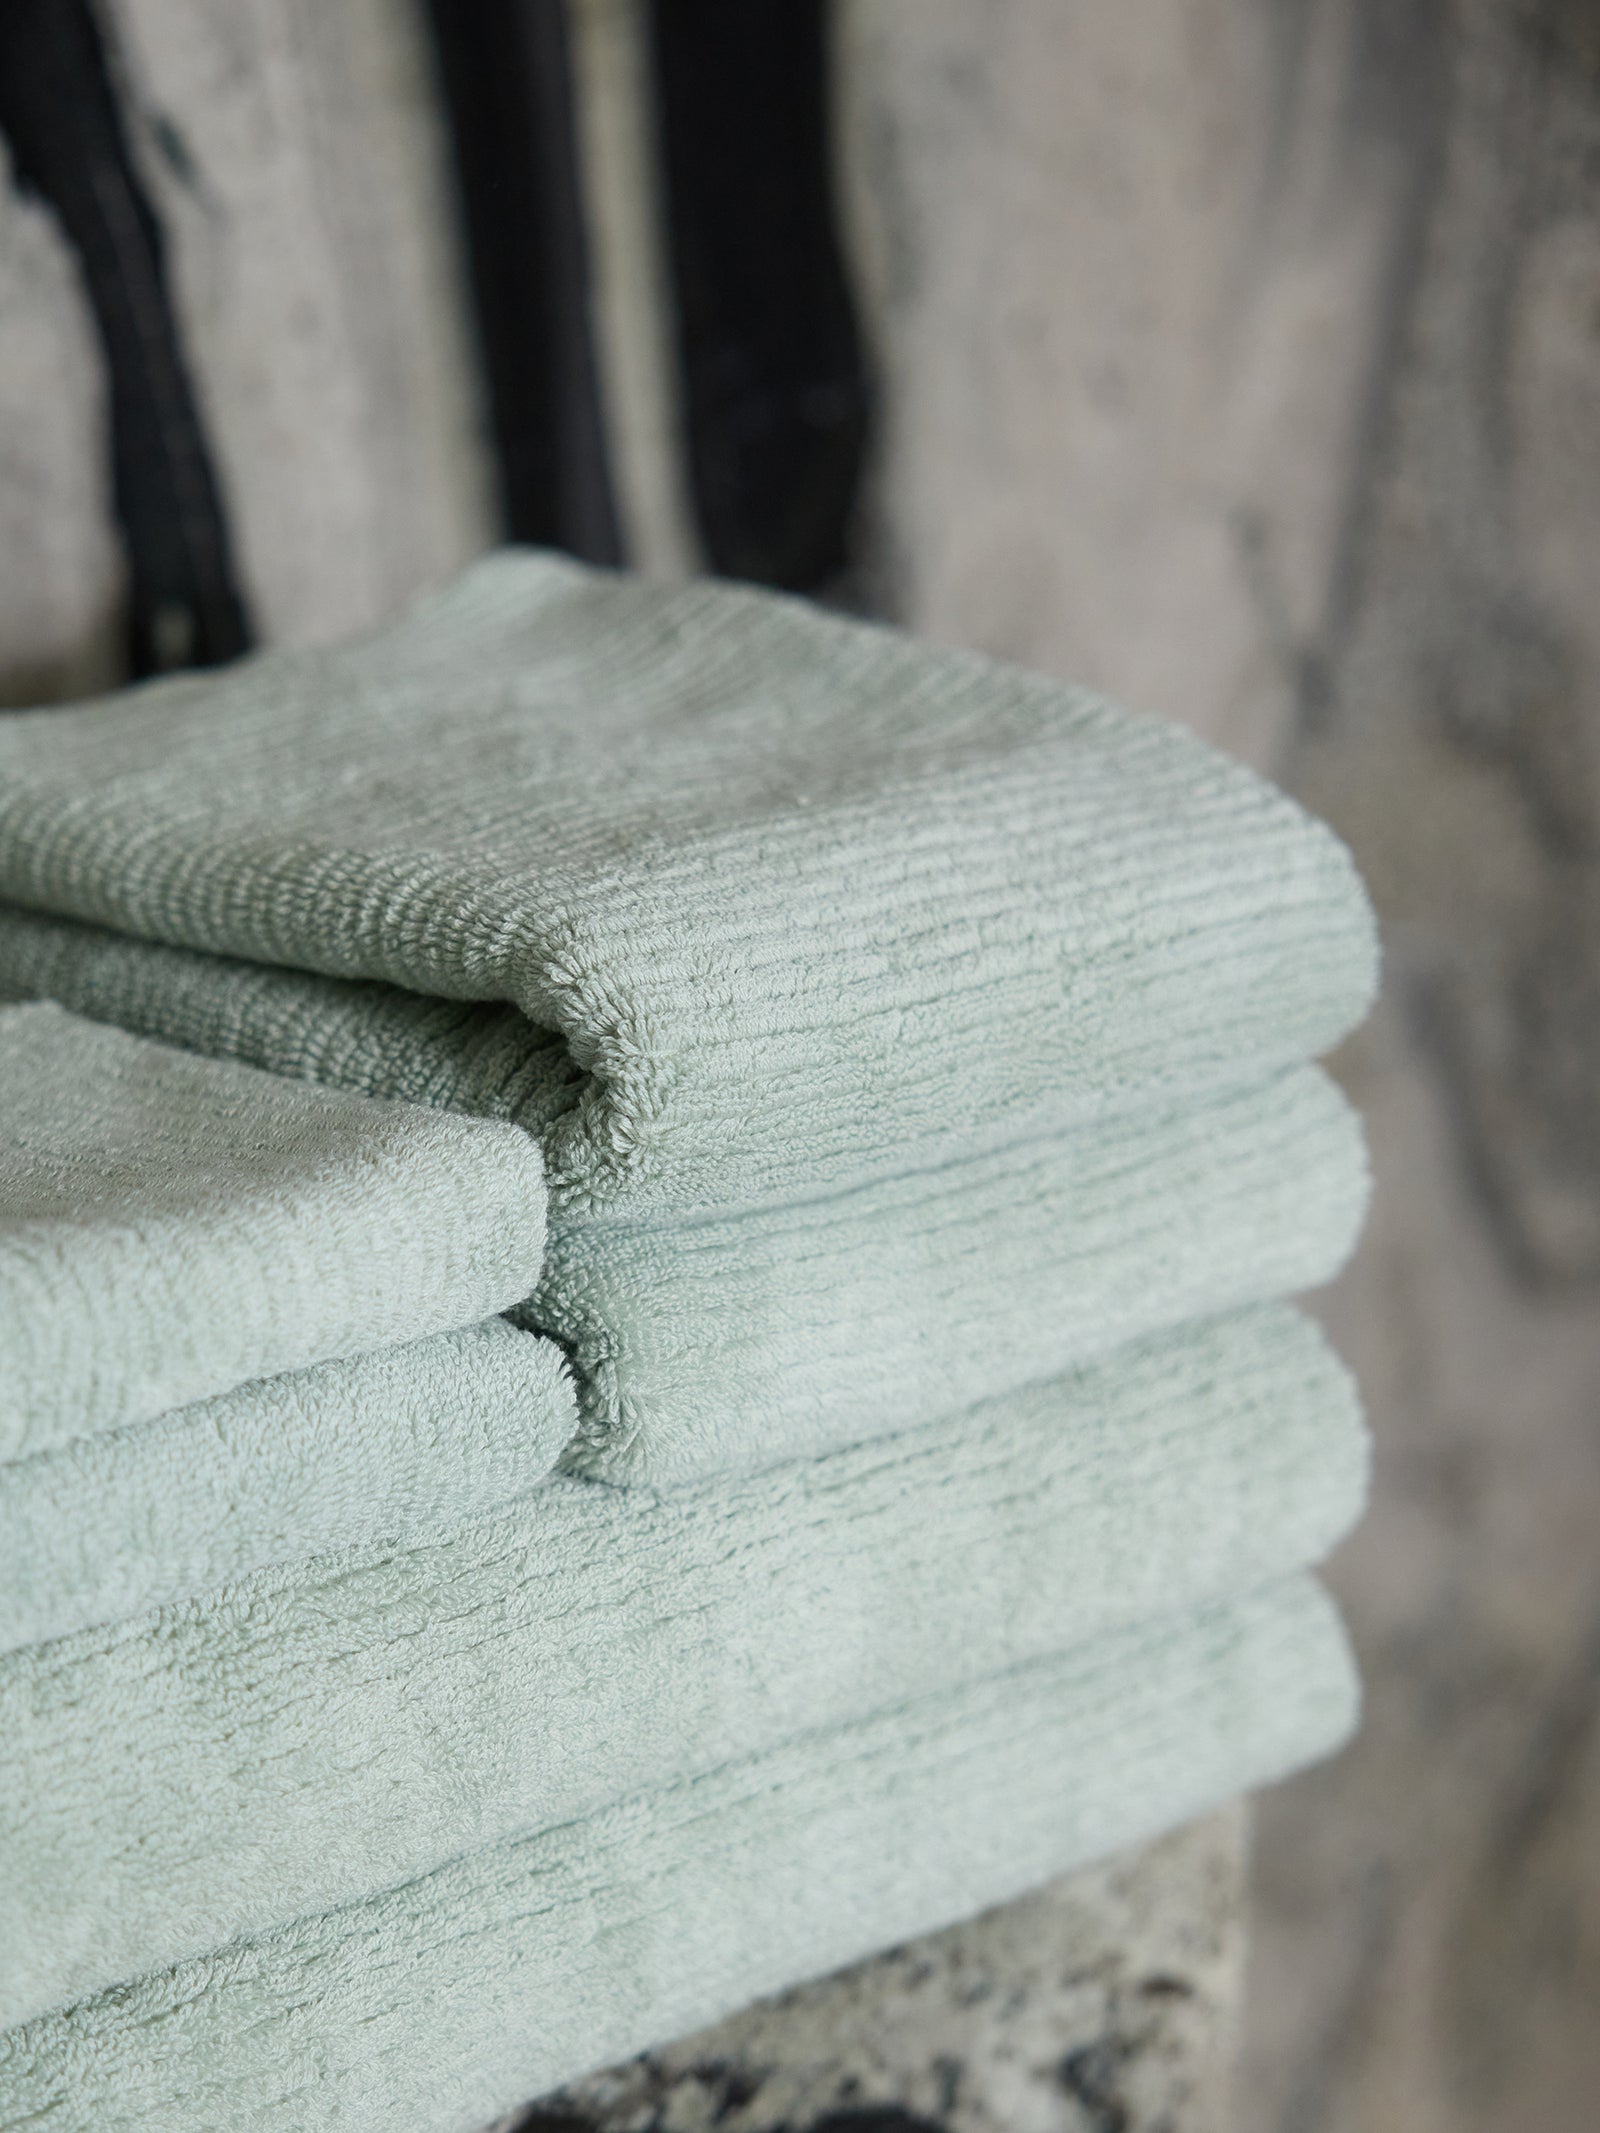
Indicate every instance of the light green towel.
{"type": "Point", "coordinates": [754, 1334]}
{"type": "Point", "coordinates": [945, 1017]}
{"type": "Point", "coordinates": [403, 1444]}
{"type": "Point", "coordinates": [895, 1028]}
{"type": "Point", "coordinates": [732, 1342]}
{"type": "Point", "coordinates": [739, 907]}
{"type": "Point", "coordinates": [805, 898]}
{"type": "Point", "coordinates": [459, 1995]}
{"type": "Point", "coordinates": [313, 1733]}
{"type": "Point", "coordinates": [171, 1228]}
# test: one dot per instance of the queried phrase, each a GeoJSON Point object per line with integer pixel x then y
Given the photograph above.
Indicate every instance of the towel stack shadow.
{"type": "Point", "coordinates": [643, 1242]}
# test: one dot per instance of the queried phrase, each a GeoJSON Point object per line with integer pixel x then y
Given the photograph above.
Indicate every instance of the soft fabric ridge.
{"type": "Point", "coordinates": [855, 1095]}
{"type": "Point", "coordinates": [171, 1227]}
{"type": "Point", "coordinates": [452, 1998]}
{"type": "Point", "coordinates": [751, 1335]}
{"type": "Point", "coordinates": [400, 1445]}
{"type": "Point", "coordinates": [804, 897]}
{"type": "Point", "coordinates": [312, 1733]}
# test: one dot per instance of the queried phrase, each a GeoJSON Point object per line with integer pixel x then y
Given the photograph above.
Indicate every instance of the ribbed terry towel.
{"type": "Point", "coordinates": [403, 1444]}
{"type": "Point", "coordinates": [456, 1996]}
{"type": "Point", "coordinates": [172, 1227]}
{"type": "Point", "coordinates": [313, 1733]}
{"type": "Point", "coordinates": [739, 1338]}
{"type": "Point", "coordinates": [919, 1056]}
{"type": "Point", "coordinates": [815, 957]}
{"type": "Point", "coordinates": [800, 894]}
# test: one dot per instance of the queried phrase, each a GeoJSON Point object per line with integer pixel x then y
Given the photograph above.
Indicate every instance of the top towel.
{"type": "Point", "coordinates": [803, 898]}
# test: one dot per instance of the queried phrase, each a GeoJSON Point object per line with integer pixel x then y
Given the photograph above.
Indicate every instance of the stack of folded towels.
{"type": "Point", "coordinates": [642, 1236]}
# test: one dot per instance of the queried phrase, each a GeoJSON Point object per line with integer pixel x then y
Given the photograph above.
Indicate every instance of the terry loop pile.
{"type": "Point", "coordinates": [172, 1228]}
{"type": "Point", "coordinates": [319, 1730]}
{"type": "Point", "coordinates": [442, 2003]}
{"type": "Point", "coordinates": [844, 980]}
{"type": "Point", "coordinates": [915, 1059]}
{"type": "Point", "coordinates": [243, 1319]}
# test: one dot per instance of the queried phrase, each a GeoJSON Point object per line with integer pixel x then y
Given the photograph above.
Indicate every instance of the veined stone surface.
{"type": "Point", "coordinates": [1242, 357]}
{"type": "Point", "coordinates": [1104, 2003]}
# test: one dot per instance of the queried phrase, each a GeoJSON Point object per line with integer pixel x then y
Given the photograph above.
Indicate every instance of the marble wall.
{"type": "Point", "coordinates": [1242, 357]}
{"type": "Point", "coordinates": [1103, 2003]}
{"type": "Point", "coordinates": [294, 157]}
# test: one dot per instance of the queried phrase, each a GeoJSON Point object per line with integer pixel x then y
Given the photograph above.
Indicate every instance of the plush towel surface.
{"type": "Point", "coordinates": [731, 1343]}
{"type": "Point", "coordinates": [313, 1733]}
{"type": "Point", "coordinates": [804, 898]}
{"type": "Point", "coordinates": [750, 1335]}
{"type": "Point", "coordinates": [403, 1444]}
{"type": "Point", "coordinates": [917, 1053]}
{"type": "Point", "coordinates": [461, 1994]}
{"type": "Point", "coordinates": [171, 1227]}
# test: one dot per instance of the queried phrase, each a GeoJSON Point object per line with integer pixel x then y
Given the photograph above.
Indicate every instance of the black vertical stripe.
{"type": "Point", "coordinates": [775, 385]}
{"type": "Point", "coordinates": [507, 79]}
{"type": "Point", "coordinates": [59, 113]}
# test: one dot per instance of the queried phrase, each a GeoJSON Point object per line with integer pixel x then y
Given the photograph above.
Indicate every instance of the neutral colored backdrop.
{"type": "Point", "coordinates": [1243, 358]}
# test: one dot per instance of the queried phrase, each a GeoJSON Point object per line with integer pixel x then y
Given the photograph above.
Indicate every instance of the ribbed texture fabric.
{"type": "Point", "coordinates": [864, 996]}
{"type": "Point", "coordinates": [731, 1342]}
{"type": "Point", "coordinates": [170, 1227]}
{"type": "Point", "coordinates": [449, 1999]}
{"type": "Point", "coordinates": [746, 1335]}
{"type": "Point", "coordinates": [399, 1445]}
{"type": "Point", "coordinates": [805, 898]}
{"type": "Point", "coordinates": [315, 1732]}
{"type": "Point", "coordinates": [917, 1058]}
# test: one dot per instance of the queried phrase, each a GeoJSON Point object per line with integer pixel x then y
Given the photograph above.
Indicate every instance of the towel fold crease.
{"type": "Point", "coordinates": [643, 1235]}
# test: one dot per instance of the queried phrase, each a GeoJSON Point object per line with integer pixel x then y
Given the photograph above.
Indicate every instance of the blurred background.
{"type": "Point", "coordinates": [1238, 357]}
